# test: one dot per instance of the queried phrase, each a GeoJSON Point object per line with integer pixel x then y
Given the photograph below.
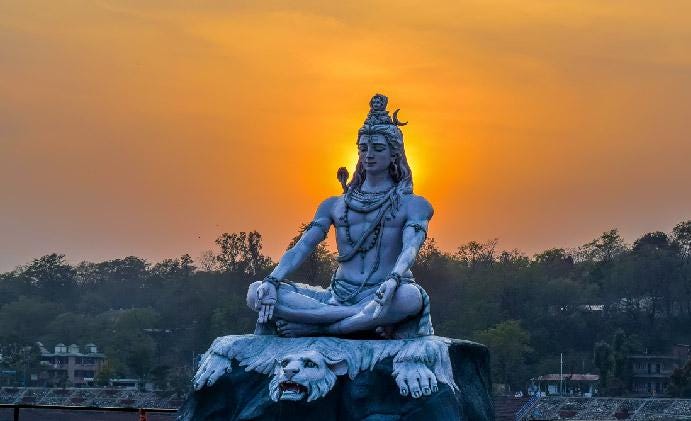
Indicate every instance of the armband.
{"type": "Point", "coordinates": [317, 224]}
{"type": "Point", "coordinates": [417, 226]}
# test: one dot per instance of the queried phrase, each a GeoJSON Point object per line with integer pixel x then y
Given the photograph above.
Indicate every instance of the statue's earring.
{"type": "Point", "coordinates": [395, 171]}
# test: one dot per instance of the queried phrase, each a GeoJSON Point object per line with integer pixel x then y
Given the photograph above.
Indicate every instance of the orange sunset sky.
{"type": "Point", "coordinates": [148, 127]}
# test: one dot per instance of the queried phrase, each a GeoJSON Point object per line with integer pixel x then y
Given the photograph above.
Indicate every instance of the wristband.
{"type": "Point", "coordinates": [273, 281]}
{"type": "Point", "coordinates": [395, 276]}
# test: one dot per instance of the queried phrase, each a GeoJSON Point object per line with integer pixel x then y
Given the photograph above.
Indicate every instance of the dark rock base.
{"type": "Point", "coordinates": [372, 395]}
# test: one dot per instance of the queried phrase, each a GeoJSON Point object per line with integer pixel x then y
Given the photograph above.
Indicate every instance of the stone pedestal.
{"type": "Point", "coordinates": [367, 395]}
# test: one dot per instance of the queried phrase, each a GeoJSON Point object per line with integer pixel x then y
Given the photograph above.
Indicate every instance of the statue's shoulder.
{"type": "Point", "coordinates": [418, 207]}
{"type": "Point", "coordinates": [328, 205]}
{"type": "Point", "coordinates": [331, 201]}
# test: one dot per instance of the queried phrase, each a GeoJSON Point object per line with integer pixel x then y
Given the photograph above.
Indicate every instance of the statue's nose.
{"type": "Point", "coordinates": [291, 371]}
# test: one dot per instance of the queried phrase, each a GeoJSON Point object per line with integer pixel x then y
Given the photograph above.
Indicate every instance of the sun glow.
{"type": "Point", "coordinates": [232, 116]}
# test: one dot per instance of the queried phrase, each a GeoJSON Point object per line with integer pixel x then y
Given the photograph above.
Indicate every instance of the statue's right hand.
{"type": "Point", "coordinates": [266, 301]}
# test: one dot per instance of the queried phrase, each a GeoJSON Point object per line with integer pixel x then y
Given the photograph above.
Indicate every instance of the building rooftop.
{"type": "Point", "coordinates": [574, 377]}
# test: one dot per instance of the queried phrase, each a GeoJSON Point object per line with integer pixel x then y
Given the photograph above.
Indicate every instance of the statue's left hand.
{"type": "Point", "coordinates": [384, 295]}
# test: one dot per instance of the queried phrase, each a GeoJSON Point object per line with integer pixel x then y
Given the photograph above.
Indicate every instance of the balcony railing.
{"type": "Point", "coordinates": [141, 411]}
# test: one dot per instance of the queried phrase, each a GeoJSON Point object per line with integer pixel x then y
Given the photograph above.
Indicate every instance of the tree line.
{"type": "Point", "coordinates": [595, 304]}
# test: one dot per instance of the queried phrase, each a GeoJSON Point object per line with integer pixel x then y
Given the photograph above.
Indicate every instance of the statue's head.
{"type": "Point", "coordinates": [380, 146]}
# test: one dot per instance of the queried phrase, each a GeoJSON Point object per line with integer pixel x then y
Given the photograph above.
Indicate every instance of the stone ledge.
{"type": "Point", "coordinates": [369, 395]}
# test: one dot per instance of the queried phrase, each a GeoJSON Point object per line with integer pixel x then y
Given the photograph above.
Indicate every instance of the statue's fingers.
{"type": "Point", "coordinates": [377, 310]}
{"type": "Point", "coordinates": [262, 314]}
{"type": "Point", "coordinates": [388, 294]}
{"type": "Point", "coordinates": [258, 301]}
{"type": "Point", "coordinates": [271, 311]}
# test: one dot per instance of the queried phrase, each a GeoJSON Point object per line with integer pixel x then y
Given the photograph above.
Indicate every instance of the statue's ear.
{"type": "Point", "coordinates": [338, 367]}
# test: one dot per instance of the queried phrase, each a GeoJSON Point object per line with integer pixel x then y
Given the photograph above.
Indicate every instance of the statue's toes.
{"type": "Point", "coordinates": [428, 382]}
{"type": "Point", "coordinates": [285, 332]}
{"type": "Point", "coordinates": [203, 380]}
{"type": "Point", "coordinates": [200, 378]}
{"type": "Point", "coordinates": [385, 332]}
{"type": "Point", "coordinates": [414, 385]}
{"type": "Point", "coordinates": [217, 373]}
{"type": "Point", "coordinates": [433, 383]}
{"type": "Point", "coordinates": [402, 385]}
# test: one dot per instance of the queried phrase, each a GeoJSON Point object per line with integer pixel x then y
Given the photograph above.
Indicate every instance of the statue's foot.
{"type": "Point", "coordinates": [295, 330]}
{"type": "Point", "coordinates": [415, 379]}
{"type": "Point", "coordinates": [268, 328]}
{"type": "Point", "coordinates": [386, 332]}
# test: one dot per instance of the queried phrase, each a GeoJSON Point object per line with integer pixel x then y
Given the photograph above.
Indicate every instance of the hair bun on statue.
{"type": "Point", "coordinates": [378, 115]}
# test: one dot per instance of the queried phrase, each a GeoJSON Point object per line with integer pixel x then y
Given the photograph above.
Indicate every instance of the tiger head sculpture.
{"type": "Point", "coordinates": [306, 375]}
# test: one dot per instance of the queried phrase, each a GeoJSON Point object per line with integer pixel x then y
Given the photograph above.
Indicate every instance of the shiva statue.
{"type": "Point", "coordinates": [380, 226]}
{"type": "Point", "coordinates": [317, 353]}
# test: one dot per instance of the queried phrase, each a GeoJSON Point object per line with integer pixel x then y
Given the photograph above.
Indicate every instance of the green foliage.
{"type": "Point", "coordinates": [509, 346]}
{"type": "Point", "coordinates": [241, 252]}
{"type": "Point", "coordinates": [23, 320]}
{"type": "Point", "coordinates": [602, 357]}
{"type": "Point", "coordinates": [613, 363]}
{"type": "Point", "coordinates": [152, 320]}
{"type": "Point", "coordinates": [680, 382]}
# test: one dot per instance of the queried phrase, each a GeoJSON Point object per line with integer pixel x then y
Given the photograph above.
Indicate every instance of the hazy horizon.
{"type": "Point", "coordinates": [147, 129]}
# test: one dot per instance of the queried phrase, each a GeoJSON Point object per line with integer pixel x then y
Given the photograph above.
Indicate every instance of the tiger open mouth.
{"type": "Point", "coordinates": [291, 391]}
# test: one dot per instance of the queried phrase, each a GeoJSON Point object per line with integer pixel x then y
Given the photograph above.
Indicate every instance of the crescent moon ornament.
{"type": "Point", "coordinates": [395, 119]}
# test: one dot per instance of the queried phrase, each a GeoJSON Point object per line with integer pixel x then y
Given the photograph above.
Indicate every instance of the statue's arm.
{"type": "Point", "coordinates": [414, 233]}
{"type": "Point", "coordinates": [314, 234]}
{"type": "Point", "coordinates": [419, 213]}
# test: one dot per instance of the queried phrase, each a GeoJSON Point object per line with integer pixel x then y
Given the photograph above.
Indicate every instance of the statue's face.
{"type": "Point", "coordinates": [377, 103]}
{"type": "Point", "coordinates": [374, 153]}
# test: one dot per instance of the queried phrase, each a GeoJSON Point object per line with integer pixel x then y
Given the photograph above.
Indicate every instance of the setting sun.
{"type": "Point", "coordinates": [174, 124]}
